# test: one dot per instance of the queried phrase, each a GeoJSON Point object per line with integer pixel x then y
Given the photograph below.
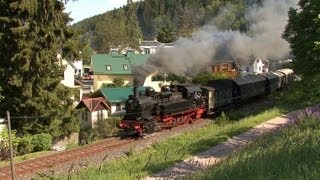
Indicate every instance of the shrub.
{"type": "Point", "coordinates": [25, 145]}
{"type": "Point", "coordinates": [5, 146]}
{"type": "Point", "coordinates": [41, 142]}
{"type": "Point", "coordinates": [106, 128]}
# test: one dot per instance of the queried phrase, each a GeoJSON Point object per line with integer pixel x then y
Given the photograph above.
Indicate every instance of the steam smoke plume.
{"type": "Point", "coordinates": [209, 44]}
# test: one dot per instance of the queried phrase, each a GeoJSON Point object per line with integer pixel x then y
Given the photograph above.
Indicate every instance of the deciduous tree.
{"type": "Point", "coordinates": [303, 34]}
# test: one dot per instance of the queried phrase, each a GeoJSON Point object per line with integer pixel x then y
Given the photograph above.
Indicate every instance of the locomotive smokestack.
{"type": "Point", "coordinates": [135, 87]}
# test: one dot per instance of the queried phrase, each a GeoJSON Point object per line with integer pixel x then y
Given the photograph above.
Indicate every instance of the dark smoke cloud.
{"type": "Point", "coordinates": [209, 44]}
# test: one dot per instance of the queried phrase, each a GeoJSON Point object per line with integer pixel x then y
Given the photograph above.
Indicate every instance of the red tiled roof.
{"type": "Point", "coordinates": [93, 104]}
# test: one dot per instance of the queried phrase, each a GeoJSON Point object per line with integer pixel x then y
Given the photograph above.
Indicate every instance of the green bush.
{"type": "Point", "coordinates": [25, 145]}
{"type": "Point", "coordinates": [41, 142]}
{"type": "Point", "coordinates": [106, 128]}
{"type": "Point", "coordinates": [4, 144]}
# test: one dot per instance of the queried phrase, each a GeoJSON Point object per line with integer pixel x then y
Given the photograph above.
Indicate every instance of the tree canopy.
{"type": "Point", "coordinates": [303, 34]}
{"type": "Point", "coordinates": [166, 20]}
{"type": "Point", "coordinates": [31, 34]}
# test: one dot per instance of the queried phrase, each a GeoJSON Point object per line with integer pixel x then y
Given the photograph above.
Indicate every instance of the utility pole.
{"type": "Point", "coordinates": [10, 144]}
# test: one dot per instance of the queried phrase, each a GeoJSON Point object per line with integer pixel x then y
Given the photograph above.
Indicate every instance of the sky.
{"type": "Point", "coordinates": [82, 9]}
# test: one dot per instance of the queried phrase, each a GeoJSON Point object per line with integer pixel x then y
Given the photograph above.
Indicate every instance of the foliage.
{"type": "Point", "coordinates": [4, 144]}
{"type": "Point", "coordinates": [290, 154]}
{"type": "Point", "coordinates": [303, 34]}
{"type": "Point", "coordinates": [31, 35]}
{"type": "Point", "coordinates": [204, 77]}
{"type": "Point", "coordinates": [106, 128]}
{"type": "Point", "coordinates": [166, 35]}
{"type": "Point", "coordinates": [41, 142]}
{"type": "Point", "coordinates": [176, 78]}
{"type": "Point", "coordinates": [25, 145]}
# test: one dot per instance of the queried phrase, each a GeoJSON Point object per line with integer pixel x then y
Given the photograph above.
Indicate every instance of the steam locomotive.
{"type": "Point", "coordinates": [185, 103]}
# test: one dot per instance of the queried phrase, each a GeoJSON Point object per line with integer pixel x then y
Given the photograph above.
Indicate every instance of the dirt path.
{"type": "Point", "coordinates": [220, 152]}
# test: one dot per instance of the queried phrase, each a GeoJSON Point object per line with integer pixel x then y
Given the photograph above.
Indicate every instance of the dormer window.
{"type": "Point", "coordinates": [125, 67]}
{"type": "Point", "coordinates": [108, 67]}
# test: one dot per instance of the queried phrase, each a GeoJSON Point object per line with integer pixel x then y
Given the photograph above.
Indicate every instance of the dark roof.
{"type": "Point", "coordinates": [221, 83]}
{"type": "Point", "coordinates": [249, 79]}
{"type": "Point", "coordinates": [269, 75]}
{"type": "Point", "coordinates": [93, 104]}
{"type": "Point", "coordinates": [150, 43]}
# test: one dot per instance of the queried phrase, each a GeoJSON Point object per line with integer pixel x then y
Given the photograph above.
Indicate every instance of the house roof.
{"type": "Point", "coordinates": [116, 95]}
{"type": "Point", "coordinates": [116, 64]}
{"type": "Point", "coordinates": [93, 104]}
{"type": "Point", "coordinates": [150, 43]}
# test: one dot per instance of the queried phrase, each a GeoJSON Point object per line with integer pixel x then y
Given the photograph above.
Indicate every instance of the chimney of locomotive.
{"type": "Point", "coordinates": [135, 87]}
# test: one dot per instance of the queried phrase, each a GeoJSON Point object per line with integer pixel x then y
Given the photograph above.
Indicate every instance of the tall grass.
{"type": "Point", "coordinates": [293, 153]}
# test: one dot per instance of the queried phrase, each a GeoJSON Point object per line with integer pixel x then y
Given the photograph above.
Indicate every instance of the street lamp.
{"type": "Point", "coordinates": [3, 121]}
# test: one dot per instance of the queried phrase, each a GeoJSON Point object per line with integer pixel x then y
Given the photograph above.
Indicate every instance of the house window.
{"type": "Point", "coordinates": [85, 116]}
{"type": "Point", "coordinates": [225, 67]}
{"type": "Point", "coordinates": [259, 68]}
{"type": "Point", "coordinates": [147, 50]}
{"type": "Point", "coordinates": [118, 107]}
{"type": "Point", "coordinates": [247, 69]}
{"type": "Point", "coordinates": [108, 67]}
{"type": "Point", "coordinates": [100, 115]}
{"type": "Point", "coordinates": [125, 67]}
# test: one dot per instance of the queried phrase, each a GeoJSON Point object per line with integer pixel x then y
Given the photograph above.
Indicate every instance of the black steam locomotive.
{"type": "Point", "coordinates": [186, 103]}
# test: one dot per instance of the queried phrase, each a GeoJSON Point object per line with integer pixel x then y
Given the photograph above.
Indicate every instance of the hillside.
{"type": "Point", "coordinates": [163, 19]}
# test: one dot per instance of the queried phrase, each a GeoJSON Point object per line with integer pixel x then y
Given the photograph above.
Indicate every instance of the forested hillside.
{"type": "Point", "coordinates": [164, 19]}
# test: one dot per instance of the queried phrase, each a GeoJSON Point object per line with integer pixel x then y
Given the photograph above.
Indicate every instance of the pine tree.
{"type": "Point", "coordinates": [132, 26]}
{"type": "Point", "coordinates": [32, 32]}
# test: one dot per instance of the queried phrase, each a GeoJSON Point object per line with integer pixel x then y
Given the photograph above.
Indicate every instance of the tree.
{"type": "Point", "coordinates": [303, 34]}
{"type": "Point", "coordinates": [31, 34]}
{"type": "Point", "coordinates": [166, 34]}
{"type": "Point", "coordinates": [204, 77]}
{"type": "Point", "coordinates": [133, 30]}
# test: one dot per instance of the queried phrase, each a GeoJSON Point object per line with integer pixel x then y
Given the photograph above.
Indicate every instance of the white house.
{"type": "Point", "coordinates": [256, 66]}
{"type": "Point", "coordinates": [69, 77]}
{"type": "Point", "coordinates": [156, 85]}
{"type": "Point", "coordinates": [151, 47]}
{"type": "Point", "coordinates": [95, 109]}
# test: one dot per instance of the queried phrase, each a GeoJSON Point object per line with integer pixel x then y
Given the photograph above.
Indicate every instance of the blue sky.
{"type": "Point", "coordinates": [82, 9]}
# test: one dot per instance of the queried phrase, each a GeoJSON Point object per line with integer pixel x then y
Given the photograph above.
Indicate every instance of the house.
{"type": "Point", "coordinates": [107, 67]}
{"type": "Point", "coordinates": [95, 109]}
{"type": "Point", "coordinates": [151, 47]}
{"type": "Point", "coordinates": [116, 97]}
{"type": "Point", "coordinates": [255, 66]}
{"type": "Point", "coordinates": [229, 68]}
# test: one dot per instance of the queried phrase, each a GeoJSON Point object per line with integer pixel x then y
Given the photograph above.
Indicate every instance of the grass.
{"type": "Point", "coordinates": [293, 153]}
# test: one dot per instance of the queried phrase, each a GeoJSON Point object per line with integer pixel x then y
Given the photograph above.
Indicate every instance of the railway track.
{"type": "Point", "coordinates": [69, 156]}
